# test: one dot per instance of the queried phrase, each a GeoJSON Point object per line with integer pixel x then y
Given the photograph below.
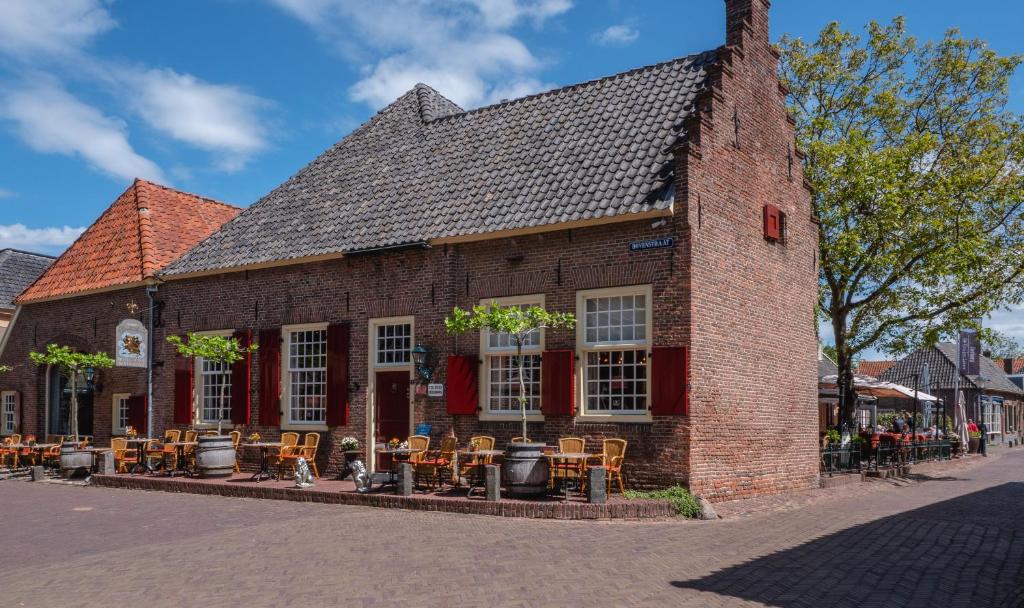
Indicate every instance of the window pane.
{"type": "Point", "coordinates": [394, 344]}
{"type": "Point", "coordinates": [616, 381]}
{"type": "Point", "coordinates": [307, 377]}
{"type": "Point", "coordinates": [618, 319]}
{"type": "Point", "coordinates": [504, 382]}
{"type": "Point", "coordinates": [213, 378]}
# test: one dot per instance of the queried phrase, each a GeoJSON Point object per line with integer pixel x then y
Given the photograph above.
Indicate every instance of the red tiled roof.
{"type": "Point", "coordinates": [873, 368]}
{"type": "Point", "coordinates": [147, 228]}
{"type": "Point", "coordinates": [1018, 366]}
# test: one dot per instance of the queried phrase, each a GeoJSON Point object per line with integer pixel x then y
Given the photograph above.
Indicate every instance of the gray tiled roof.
{"type": "Point", "coordinates": [826, 367]}
{"type": "Point", "coordinates": [941, 361]}
{"type": "Point", "coordinates": [17, 271]}
{"type": "Point", "coordinates": [423, 169]}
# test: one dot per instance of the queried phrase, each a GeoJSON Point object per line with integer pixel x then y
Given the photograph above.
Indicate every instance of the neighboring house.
{"type": "Point", "coordinates": [990, 397]}
{"type": "Point", "coordinates": [1014, 370]}
{"type": "Point", "coordinates": [78, 301]}
{"type": "Point", "coordinates": [828, 394]}
{"type": "Point", "coordinates": [875, 369]}
{"type": "Point", "coordinates": [663, 206]}
{"type": "Point", "coordinates": [17, 270]}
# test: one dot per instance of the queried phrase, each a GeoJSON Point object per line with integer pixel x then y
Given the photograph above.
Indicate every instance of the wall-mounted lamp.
{"type": "Point", "coordinates": [420, 360]}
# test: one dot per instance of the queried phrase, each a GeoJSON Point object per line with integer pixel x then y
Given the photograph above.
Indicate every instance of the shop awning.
{"type": "Point", "coordinates": [866, 385]}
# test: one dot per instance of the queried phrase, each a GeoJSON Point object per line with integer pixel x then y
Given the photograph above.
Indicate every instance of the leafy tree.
{"type": "Point", "coordinates": [916, 166]}
{"type": "Point", "coordinates": [1000, 346]}
{"type": "Point", "coordinates": [518, 322]}
{"type": "Point", "coordinates": [224, 350]}
{"type": "Point", "coordinates": [71, 363]}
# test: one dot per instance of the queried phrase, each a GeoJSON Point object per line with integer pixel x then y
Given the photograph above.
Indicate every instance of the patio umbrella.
{"type": "Point", "coordinates": [866, 385]}
{"type": "Point", "coordinates": [961, 420]}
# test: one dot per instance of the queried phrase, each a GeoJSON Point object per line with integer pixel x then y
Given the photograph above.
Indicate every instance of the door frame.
{"type": "Point", "coordinates": [370, 440]}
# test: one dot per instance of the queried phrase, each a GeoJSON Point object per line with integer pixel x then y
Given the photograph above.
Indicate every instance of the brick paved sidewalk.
{"type": "Point", "coordinates": [956, 541]}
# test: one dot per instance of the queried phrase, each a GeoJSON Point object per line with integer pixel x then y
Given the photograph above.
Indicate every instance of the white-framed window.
{"type": "Point", "coordinates": [209, 378]}
{"type": "Point", "coordinates": [613, 338]}
{"type": "Point", "coordinates": [393, 345]}
{"type": "Point", "coordinates": [9, 400]}
{"type": "Point", "coordinates": [500, 377]}
{"type": "Point", "coordinates": [993, 417]}
{"type": "Point", "coordinates": [305, 366]}
{"type": "Point", "coordinates": [119, 415]}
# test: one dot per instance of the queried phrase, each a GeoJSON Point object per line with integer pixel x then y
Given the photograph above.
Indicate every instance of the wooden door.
{"type": "Point", "coordinates": [392, 398]}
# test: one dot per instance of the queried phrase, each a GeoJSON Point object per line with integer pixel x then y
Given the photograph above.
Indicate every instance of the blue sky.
{"type": "Point", "coordinates": [228, 98]}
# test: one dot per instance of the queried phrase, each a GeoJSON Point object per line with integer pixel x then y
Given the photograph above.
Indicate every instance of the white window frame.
{"type": "Point", "coordinates": [486, 352]}
{"type": "Point", "coordinates": [992, 416]}
{"type": "Point", "coordinates": [115, 414]}
{"type": "Point", "coordinates": [9, 427]}
{"type": "Point", "coordinates": [582, 348]}
{"type": "Point", "coordinates": [197, 387]}
{"type": "Point", "coordinates": [286, 382]}
{"type": "Point", "coordinates": [392, 322]}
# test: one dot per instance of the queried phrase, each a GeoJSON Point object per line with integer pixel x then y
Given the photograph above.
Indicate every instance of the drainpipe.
{"type": "Point", "coordinates": [150, 290]}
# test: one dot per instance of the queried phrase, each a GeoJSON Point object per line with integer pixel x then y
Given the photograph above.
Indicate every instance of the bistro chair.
{"type": "Point", "coordinates": [236, 439]}
{"type": "Point", "coordinates": [307, 450]}
{"type": "Point", "coordinates": [290, 441]}
{"type": "Point", "coordinates": [190, 450]}
{"type": "Point", "coordinates": [612, 457]}
{"type": "Point", "coordinates": [482, 442]}
{"type": "Point", "coordinates": [437, 464]}
{"type": "Point", "coordinates": [123, 457]}
{"type": "Point", "coordinates": [568, 469]}
{"type": "Point", "coordinates": [27, 454]}
{"type": "Point", "coordinates": [10, 452]}
{"type": "Point", "coordinates": [419, 444]}
{"type": "Point", "coordinates": [52, 455]}
{"type": "Point", "coordinates": [163, 453]}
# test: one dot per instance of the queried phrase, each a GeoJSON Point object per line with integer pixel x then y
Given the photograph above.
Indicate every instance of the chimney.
{"type": "Point", "coordinates": [1008, 365]}
{"type": "Point", "coordinates": [746, 21]}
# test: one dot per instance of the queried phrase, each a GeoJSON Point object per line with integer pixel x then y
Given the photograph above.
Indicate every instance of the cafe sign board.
{"type": "Point", "coordinates": [132, 340]}
{"type": "Point", "coordinates": [970, 353]}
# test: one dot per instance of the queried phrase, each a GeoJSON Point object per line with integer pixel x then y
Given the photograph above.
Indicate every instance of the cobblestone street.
{"type": "Point", "coordinates": [956, 540]}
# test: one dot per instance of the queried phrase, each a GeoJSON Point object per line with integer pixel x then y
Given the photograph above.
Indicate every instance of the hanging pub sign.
{"type": "Point", "coordinates": [132, 338]}
{"type": "Point", "coordinates": [662, 243]}
{"type": "Point", "coordinates": [970, 352]}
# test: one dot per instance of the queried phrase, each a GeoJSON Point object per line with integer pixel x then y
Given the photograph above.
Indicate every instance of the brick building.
{"type": "Point", "coordinates": [17, 271]}
{"type": "Point", "coordinates": [663, 206]}
{"type": "Point", "coordinates": [78, 301]}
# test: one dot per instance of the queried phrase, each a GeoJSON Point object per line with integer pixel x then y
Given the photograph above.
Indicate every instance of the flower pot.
{"type": "Point", "coordinates": [972, 445]}
{"type": "Point", "coordinates": [525, 470]}
{"type": "Point", "coordinates": [215, 456]}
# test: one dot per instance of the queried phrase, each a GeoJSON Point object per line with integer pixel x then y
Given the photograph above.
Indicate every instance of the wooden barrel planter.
{"type": "Point", "coordinates": [215, 456]}
{"type": "Point", "coordinates": [525, 470]}
{"type": "Point", "coordinates": [74, 460]}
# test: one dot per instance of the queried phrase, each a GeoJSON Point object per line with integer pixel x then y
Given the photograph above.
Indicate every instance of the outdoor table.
{"type": "Point", "coordinates": [17, 447]}
{"type": "Point", "coordinates": [180, 446]}
{"type": "Point", "coordinates": [95, 450]}
{"type": "Point", "coordinates": [478, 479]}
{"type": "Point", "coordinates": [398, 455]}
{"type": "Point", "coordinates": [140, 451]}
{"type": "Point", "coordinates": [566, 458]}
{"type": "Point", "coordinates": [264, 448]}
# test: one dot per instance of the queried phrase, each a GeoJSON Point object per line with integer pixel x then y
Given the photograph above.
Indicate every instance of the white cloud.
{"type": "Point", "coordinates": [220, 119]}
{"type": "Point", "coordinates": [49, 119]}
{"type": "Point", "coordinates": [52, 27]}
{"type": "Point", "coordinates": [463, 48]}
{"type": "Point", "coordinates": [1008, 322]}
{"type": "Point", "coordinates": [44, 240]}
{"type": "Point", "coordinates": [617, 35]}
{"type": "Point", "coordinates": [4, 193]}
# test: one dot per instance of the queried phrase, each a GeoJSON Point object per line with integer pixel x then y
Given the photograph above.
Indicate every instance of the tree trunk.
{"type": "Point", "coordinates": [522, 387]}
{"type": "Point", "coordinates": [220, 399]}
{"type": "Point", "coordinates": [847, 394]}
{"type": "Point", "coordinates": [73, 413]}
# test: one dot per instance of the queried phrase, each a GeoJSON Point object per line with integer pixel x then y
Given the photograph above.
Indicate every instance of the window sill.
{"type": "Point", "coordinates": [486, 416]}
{"type": "Point", "coordinates": [213, 425]}
{"type": "Point", "coordinates": [304, 427]}
{"type": "Point", "coordinates": [644, 418]}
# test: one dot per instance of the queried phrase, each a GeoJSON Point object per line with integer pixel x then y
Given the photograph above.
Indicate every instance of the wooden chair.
{"type": "Point", "coordinates": [419, 444]}
{"type": "Point", "coordinates": [468, 467]}
{"type": "Point", "coordinates": [10, 453]}
{"type": "Point", "coordinates": [307, 450]}
{"type": "Point", "coordinates": [290, 441]}
{"type": "Point", "coordinates": [612, 457]}
{"type": "Point", "coordinates": [52, 455]}
{"type": "Point", "coordinates": [437, 464]}
{"type": "Point", "coordinates": [568, 469]}
{"type": "Point", "coordinates": [163, 453]}
{"type": "Point", "coordinates": [190, 450]}
{"type": "Point", "coordinates": [123, 456]}
{"type": "Point", "coordinates": [236, 438]}
{"type": "Point", "coordinates": [27, 455]}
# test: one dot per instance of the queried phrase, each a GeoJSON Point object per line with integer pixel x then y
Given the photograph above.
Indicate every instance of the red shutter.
{"type": "Point", "coordinates": [241, 380]}
{"type": "Point", "coordinates": [183, 367]}
{"type": "Point", "coordinates": [772, 222]}
{"type": "Point", "coordinates": [670, 374]}
{"type": "Point", "coordinates": [270, 377]}
{"type": "Point", "coordinates": [461, 390]}
{"type": "Point", "coordinates": [557, 383]}
{"type": "Point", "coordinates": [337, 374]}
{"type": "Point", "coordinates": [137, 414]}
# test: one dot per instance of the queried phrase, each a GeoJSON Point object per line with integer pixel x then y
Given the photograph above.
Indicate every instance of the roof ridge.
{"type": "Point", "coordinates": [146, 231]}
{"type": "Point", "coordinates": [576, 85]}
{"type": "Point", "coordinates": [139, 180]}
{"type": "Point", "coordinates": [32, 253]}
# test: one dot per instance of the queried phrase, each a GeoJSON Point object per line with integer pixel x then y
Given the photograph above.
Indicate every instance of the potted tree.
{"type": "Point", "coordinates": [70, 364]}
{"type": "Point", "coordinates": [525, 467]}
{"type": "Point", "coordinates": [215, 454]}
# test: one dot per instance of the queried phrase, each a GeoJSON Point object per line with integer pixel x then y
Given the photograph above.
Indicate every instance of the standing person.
{"type": "Point", "coordinates": [983, 442]}
{"type": "Point", "coordinates": [897, 424]}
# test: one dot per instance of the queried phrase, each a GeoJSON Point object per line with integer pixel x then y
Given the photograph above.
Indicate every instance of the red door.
{"type": "Point", "coordinates": [392, 397]}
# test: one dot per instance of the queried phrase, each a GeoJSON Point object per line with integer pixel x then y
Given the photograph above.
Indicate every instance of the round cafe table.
{"type": "Point", "coordinates": [566, 458]}
{"type": "Point", "coordinates": [140, 451]}
{"type": "Point", "coordinates": [264, 447]}
{"type": "Point", "coordinates": [479, 458]}
{"type": "Point", "coordinates": [182, 467]}
{"type": "Point", "coordinates": [398, 456]}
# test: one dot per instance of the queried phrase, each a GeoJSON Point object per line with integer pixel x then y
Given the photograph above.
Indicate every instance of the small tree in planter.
{"type": "Point", "coordinates": [70, 364]}
{"type": "Point", "coordinates": [519, 322]}
{"type": "Point", "coordinates": [225, 350]}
